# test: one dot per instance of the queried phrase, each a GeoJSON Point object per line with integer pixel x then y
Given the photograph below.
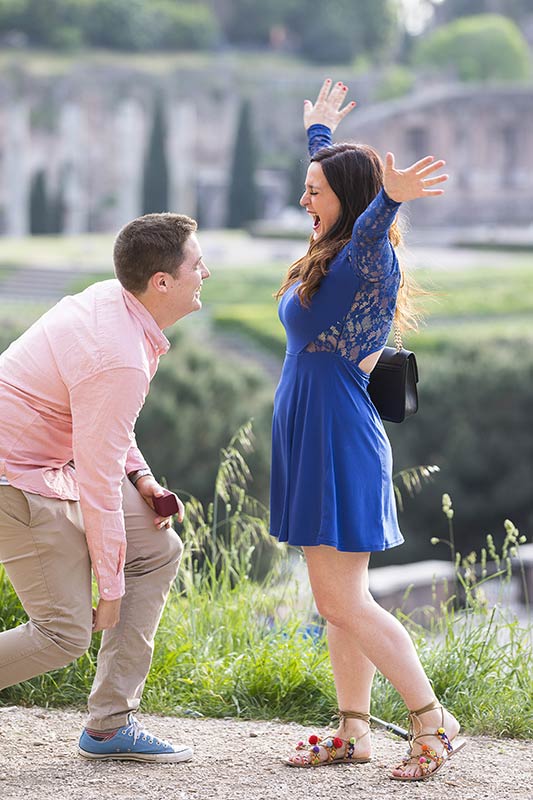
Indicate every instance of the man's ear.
{"type": "Point", "coordinates": [159, 281]}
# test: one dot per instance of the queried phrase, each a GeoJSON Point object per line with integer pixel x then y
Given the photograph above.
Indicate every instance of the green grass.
{"type": "Point", "coordinates": [19, 316]}
{"type": "Point", "coordinates": [87, 251]}
{"type": "Point", "coordinates": [481, 292]}
{"type": "Point", "coordinates": [230, 645]}
{"type": "Point", "coordinates": [475, 305]}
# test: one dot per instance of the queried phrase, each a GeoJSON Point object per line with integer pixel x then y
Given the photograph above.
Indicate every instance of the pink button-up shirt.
{"type": "Point", "coordinates": [71, 388]}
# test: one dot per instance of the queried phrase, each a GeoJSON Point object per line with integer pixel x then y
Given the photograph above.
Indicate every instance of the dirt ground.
{"type": "Point", "coordinates": [237, 761]}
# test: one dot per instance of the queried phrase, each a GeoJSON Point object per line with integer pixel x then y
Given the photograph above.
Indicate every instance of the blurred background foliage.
{"type": "Point", "coordinates": [468, 45]}
{"type": "Point", "coordinates": [478, 39]}
{"type": "Point", "coordinates": [197, 401]}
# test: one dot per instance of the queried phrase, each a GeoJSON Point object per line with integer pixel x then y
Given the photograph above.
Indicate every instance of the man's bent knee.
{"type": "Point", "coordinates": [66, 646]}
{"type": "Point", "coordinates": [169, 548]}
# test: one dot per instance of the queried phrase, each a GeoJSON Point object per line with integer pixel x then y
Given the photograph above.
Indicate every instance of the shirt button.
{"type": "Point", "coordinates": [106, 591]}
{"type": "Point", "coordinates": [99, 560]}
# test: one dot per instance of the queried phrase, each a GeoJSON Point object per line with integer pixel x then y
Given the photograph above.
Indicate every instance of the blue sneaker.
{"type": "Point", "coordinates": [132, 743]}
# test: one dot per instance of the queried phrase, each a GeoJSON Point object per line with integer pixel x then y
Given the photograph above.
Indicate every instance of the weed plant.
{"type": "Point", "coordinates": [476, 652]}
{"type": "Point", "coordinates": [234, 642]}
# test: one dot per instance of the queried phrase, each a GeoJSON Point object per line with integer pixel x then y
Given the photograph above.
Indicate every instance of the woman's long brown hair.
{"type": "Point", "coordinates": [355, 173]}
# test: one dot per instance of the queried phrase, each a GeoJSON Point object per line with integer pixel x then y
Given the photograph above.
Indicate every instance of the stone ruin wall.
{"type": "Point", "coordinates": [484, 137]}
{"type": "Point", "coordinates": [88, 130]}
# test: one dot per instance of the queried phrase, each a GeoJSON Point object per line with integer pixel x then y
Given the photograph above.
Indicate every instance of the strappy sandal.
{"type": "Point", "coordinates": [429, 756]}
{"type": "Point", "coordinates": [332, 745]}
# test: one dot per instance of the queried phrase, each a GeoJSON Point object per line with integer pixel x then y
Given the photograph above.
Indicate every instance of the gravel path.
{"type": "Point", "coordinates": [237, 760]}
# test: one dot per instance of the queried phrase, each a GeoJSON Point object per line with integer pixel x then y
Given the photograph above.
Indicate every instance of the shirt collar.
{"type": "Point", "coordinates": [152, 331]}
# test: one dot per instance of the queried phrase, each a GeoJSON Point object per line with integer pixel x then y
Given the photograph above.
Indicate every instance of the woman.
{"type": "Point", "coordinates": [331, 489]}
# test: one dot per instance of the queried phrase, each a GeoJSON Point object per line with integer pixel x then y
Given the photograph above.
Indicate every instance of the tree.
{"type": "Point", "coordinates": [196, 403]}
{"type": "Point", "coordinates": [149, 25]}
{"type": "Point", "coordinates": [321, 30]}
{"type": "Point", "coordinates": [397, 81]}
{"type": "Point", "coordinates": [56, 212]}
{"type": "Point", "coordinates": [155, 181]}
{"type": "Point", "coordinates": [250, 22]}
{"type": "Point", "coordinates": [243, 194]}
{"type": "Point", "coordinates": [339, 30]}
{"type": "Point", "coordinates": [121, 24]}
{"type": "Point", "coordinates": [45, 22]}
{"type": "Point", "coordinates": [296, 180]}
{"type": "Point", "coordinates": [479, 48]}
{"type": "Point", "coordinates": [451, 9]}
{"type": "Point", "coordinates": [39, 215]}
{"type": "Point", "coordinates": [185, 26]}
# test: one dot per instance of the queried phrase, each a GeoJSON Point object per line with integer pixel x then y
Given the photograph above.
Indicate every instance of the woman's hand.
{"type": "Point", "coordinates": [327, 108]}
{"type": "Point", "coordinates": [415, 181]}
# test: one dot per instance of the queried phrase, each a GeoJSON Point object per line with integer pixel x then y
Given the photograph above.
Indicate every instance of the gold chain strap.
{"type": "Point", "coordinates": [397, 338]}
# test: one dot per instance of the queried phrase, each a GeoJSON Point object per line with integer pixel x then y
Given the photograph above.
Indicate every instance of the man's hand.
{"type": "Point", "coordinates": [106, 615]}
{"type": "Point", "coordinates": [327, 108]}
{"type": "Point", "coordinates": [149, 488]}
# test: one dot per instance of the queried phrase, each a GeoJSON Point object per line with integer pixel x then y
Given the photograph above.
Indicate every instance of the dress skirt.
{"type": "Point", "coordinates": [331, 481]}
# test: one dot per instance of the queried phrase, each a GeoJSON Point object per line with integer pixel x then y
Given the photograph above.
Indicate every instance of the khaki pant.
{"type": "Point", "coordinates": [44, 552]}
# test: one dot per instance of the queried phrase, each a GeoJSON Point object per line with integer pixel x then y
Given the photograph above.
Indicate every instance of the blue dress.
{"type": "Point", "coordinates": [331, 480]}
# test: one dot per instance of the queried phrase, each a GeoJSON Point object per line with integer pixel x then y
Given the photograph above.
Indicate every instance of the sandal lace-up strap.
{"type": "Point", "coordinates": [430, 707]}
{"type": "Point", "coordinates": [440, 733]}
{"type": "Point", "coordinates": [352, 741]}
{"type": "Point", "coordinates": [354, 715]}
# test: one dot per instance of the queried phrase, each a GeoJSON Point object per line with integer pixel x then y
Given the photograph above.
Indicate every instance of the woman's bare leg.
{"type": "Point", "coordinates": [360, 626]}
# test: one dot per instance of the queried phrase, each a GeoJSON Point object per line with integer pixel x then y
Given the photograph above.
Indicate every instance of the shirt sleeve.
{"type": "Point", "coordinates": [135, 459]}
{"type": "Point", "coordinates": [318, 136]}
{"type": "Point", "coordinates": [370, 249]}
{"type": "Point", "coordinates": [104, 409]}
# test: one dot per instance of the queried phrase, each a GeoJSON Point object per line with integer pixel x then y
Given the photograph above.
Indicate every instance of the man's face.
{"type": "Point", "coordinates": [185, 287]}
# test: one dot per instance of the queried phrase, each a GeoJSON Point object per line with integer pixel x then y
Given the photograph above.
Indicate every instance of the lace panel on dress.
{"type": "Point", "coordinates": [366, 326]}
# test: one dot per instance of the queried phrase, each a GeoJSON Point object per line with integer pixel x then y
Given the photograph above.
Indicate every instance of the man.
{"type": "Point", "coordinates": [76, 492]}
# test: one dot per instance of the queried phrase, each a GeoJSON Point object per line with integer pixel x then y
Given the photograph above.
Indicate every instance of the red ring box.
{"type": "Point", "coordinates": [166, 505]}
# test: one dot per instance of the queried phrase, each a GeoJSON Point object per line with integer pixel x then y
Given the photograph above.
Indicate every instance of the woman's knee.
{"type": "Point", "coordinates": [344, 612]}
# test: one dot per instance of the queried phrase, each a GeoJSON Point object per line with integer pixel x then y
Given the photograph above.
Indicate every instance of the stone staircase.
{"type": "Point", "coordinates": [35, 284]}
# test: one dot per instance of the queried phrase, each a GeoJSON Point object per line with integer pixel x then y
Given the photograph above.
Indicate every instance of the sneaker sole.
{"type": "Point", "coordinates": [160, 758]}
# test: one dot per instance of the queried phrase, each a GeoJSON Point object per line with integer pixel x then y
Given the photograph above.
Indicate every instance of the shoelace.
{"type": "Point", "coordinates": [138, 730]}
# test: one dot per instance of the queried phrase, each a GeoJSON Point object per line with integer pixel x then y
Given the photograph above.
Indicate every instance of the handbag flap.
{"type": "Point", "coordinates": [392, 385]}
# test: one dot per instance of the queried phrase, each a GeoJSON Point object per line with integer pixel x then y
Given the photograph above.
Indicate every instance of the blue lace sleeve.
{"type": "Point", "coordinates": [318, 136]}
{"type": "Point", "coordinates": [371, 251]}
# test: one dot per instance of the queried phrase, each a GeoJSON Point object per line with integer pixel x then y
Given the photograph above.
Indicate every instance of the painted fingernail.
{"type": "Point", "coordinates": [339, 83]}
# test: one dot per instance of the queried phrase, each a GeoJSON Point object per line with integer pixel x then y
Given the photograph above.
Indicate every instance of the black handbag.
{"type": "Point", "coordinates": [392, 384]}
